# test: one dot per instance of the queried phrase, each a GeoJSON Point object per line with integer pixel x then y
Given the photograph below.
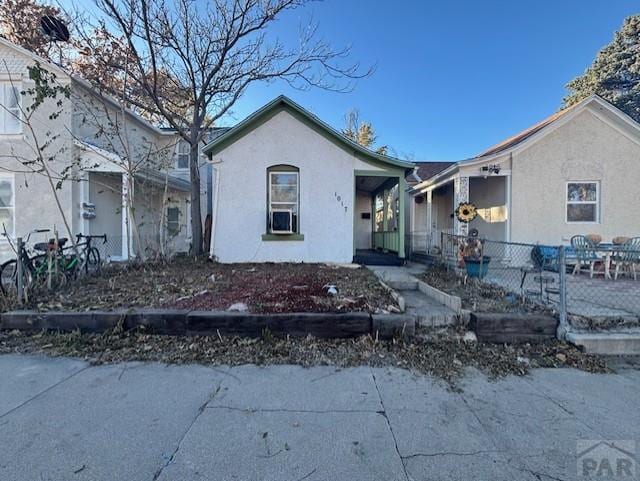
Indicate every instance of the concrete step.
{"type": "Point", "coordinates": [398, 278]}
{"type": "Point", "coordinates": [428, 313]}
{"type": "Point", "coordinates": [402, 284]}
{"type": "Point", "coordinates": [614, 342]}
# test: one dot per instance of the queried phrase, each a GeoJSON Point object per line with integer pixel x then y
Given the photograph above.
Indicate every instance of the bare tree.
{"type": "Point", "coordinates": [214, 50]}
{"type": "Point", "coordinates": [20, 24]}
{"type": "Point", "coordinates": [111, 131]}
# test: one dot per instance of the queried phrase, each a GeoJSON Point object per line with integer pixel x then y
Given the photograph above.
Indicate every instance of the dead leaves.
{"type": "Point", "coordinates": [444, 354]}
{"type": "Point", "coordinates": [191, 284]}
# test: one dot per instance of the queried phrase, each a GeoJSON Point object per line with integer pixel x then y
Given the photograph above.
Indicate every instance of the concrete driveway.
{"type": "Point", "coordinates": [61, 419]}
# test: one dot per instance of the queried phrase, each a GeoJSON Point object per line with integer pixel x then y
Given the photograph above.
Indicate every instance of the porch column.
{"type": "Point", "coordinates": [402, 198]}
{"type": "Point", "coordinates": [507, 180]}
{"type": "Point", "coordinates": [84, 199]}
{"type": "Point", "coordinates": [460, 195]}
{"type": "Point", "coordinates": [126, 230]}
{"type": "Point", "coordinates": [429, 221]}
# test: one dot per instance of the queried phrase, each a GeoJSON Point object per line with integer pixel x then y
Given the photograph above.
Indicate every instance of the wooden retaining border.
{"type": "Point", "coordinates": [183, 322]}
{"type": "Point", "coordinates": [393, 293]}
{"type": "Point", "coordinates": [513, 327]}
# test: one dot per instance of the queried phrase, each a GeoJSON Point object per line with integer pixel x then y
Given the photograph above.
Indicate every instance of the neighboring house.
{"type": "Point", "coordinates": [99, 143]}
{"type": "Point", "coordinates": [576, 172]}
{"type": "Point", "coordinates": [288, 187]}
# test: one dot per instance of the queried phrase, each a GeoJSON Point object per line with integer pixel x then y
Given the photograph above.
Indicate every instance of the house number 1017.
{"type": "Point", "coordinates": [339, 199]}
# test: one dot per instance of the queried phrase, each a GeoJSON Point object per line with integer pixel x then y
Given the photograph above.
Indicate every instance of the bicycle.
{"type": "Point", "coordinates": [89, 257]}
{"type": "Point", "coordinates": [36, 270]}
{"type": "Point", "coordinates": [53, 267]}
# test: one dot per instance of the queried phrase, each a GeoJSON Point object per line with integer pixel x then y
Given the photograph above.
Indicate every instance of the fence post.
{"type": "Point", "coordinates": [19, 273]}
{"type": "Point", "coordinates": [563, 326]}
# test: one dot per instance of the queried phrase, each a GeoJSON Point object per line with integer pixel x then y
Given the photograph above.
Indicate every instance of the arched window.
{"type": "Point", "coordinates": [283, 200]}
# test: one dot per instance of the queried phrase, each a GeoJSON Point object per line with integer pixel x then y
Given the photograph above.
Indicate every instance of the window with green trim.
{"type": "Point", "coordinates": [283, 199]}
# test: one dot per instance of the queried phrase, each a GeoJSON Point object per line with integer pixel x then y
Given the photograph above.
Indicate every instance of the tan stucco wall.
{"type": "Point", "coordinates": [84, 118]}
{"type": "Point", "coordinates": [584, 148]}
{"type": "Point", "coordinates": [34, 202]}
{"type": "Point", "coordinates": [487, 193]}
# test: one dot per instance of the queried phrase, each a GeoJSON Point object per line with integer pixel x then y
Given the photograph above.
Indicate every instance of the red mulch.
{"type": "Point", "coordinates": [187, 284]}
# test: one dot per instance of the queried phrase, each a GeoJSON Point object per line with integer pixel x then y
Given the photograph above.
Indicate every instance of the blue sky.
{"type": "Point", "coordinates": [454, 77]}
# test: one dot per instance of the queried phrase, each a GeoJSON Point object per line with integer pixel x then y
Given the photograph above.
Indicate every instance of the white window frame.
{"type": "Point", "coordinates": [182, 142]}
{"type": "Point", "coordinates": [297, 202]}
{"type": "Point", "coordinates": [12, 179]}
{"type": "Point", "coordinates": [578, 202]}
{"type": "Point", "coordinates": [177, 233]}
{"type": "Point", "coordinates": [288, 211]}
{"type": "Point", "coordinates": [5, 85]}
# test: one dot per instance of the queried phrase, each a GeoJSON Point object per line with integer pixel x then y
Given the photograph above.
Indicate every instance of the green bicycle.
{"type": "Point", "coordinates": [52, 267]}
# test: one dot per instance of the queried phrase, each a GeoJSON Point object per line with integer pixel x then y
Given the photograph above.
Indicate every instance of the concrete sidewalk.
{"type": "Point", "coordinates": [61, 419]}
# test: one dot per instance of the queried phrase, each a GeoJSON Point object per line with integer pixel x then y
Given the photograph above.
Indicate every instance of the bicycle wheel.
{"type": "Point", "coordinates": [9, 278]}
{"type": "Point", "coordinates": [93, 261]}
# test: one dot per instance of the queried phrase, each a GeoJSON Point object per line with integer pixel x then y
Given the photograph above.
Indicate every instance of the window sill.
{"type": "Point", "coordinates": [282, 237]}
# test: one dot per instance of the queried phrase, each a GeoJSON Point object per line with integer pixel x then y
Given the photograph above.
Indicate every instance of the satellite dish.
{"type": "Point", "coordinates": [54, 29]}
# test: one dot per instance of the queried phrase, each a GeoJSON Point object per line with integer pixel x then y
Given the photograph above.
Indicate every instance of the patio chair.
{"type": "Point", "coordinates": [586, 256]}
{"type": "Point", "coordinates": [627, 257]}
{"type": "Point", "coordinates": [543, 258]}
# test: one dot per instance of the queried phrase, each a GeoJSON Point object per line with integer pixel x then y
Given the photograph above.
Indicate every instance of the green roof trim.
{"type": "Point", "coordinates": [281, 103]}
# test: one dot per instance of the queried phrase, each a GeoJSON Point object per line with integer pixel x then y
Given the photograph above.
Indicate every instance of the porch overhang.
{"type": "Point", "coordinates": [375, 182]}
{"type": "Point", "coordinates": [98, 160]}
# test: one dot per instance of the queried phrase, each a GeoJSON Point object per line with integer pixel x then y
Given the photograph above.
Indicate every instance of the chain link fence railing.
{"type": "Point", "coordinates": [603, 284]}
{"type": "Point", "coordinates": [595, 286]}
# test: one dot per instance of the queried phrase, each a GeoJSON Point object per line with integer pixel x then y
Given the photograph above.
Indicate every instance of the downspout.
{"type": "Point", "coordinates": [214, 214]}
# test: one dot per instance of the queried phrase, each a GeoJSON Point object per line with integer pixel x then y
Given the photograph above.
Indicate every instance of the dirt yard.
{"type": "Point", "coordinates": [442, 354]}
{"type": "Point", "coordinates": [477, 296]}
{"type": "Point", "coordinates": [201, 285]}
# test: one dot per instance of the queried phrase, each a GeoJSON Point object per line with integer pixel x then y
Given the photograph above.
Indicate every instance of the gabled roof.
{"type": "Point", "coordinates": [532, 134]}
{"type": "Point", "coordinates": [81, 83]}
{"type": "Point", "coordinates": [36, 58]}
{"type": "Point", "coordinates": [284, 103]}
{"type": "Point", "coordinates": [548, 123]}
{"type": "Point", "coordinates": [116, 164]}
{"type": "Point", "coordinates": [425, 170]}
{"type": "Point", "coordinates": [525, 134]}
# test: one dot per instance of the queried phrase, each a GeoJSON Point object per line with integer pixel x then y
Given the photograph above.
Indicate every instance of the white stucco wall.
{"type": "Point", "coordinates": [326, 195]}
{"type": "Point", "coordinates": [585, 148]}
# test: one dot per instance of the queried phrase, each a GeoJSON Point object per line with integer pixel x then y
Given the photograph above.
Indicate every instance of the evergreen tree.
{"type": "Point", "coordinates": [362, 133]}
{"type": "Point", "coordinates": [615, 73]}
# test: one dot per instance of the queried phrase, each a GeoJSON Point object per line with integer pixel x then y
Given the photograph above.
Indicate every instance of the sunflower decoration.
{"type": "Point", "coordinates": [466, 212]}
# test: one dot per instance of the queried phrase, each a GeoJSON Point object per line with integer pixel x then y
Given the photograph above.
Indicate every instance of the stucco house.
{"type": "Point", "coordinates": [576, 172]}
{"type": "Point", "coordinates": [100, 146]}
{"type": "Point", "coordinates": [288, 187]}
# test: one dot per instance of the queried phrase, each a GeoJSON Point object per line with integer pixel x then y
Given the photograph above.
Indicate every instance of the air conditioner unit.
{"type": "Point", "coordinates": [282, 221]}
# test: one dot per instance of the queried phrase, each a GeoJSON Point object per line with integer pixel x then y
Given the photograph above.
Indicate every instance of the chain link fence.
{"type": "Point", "coordinates": [597, 286]}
